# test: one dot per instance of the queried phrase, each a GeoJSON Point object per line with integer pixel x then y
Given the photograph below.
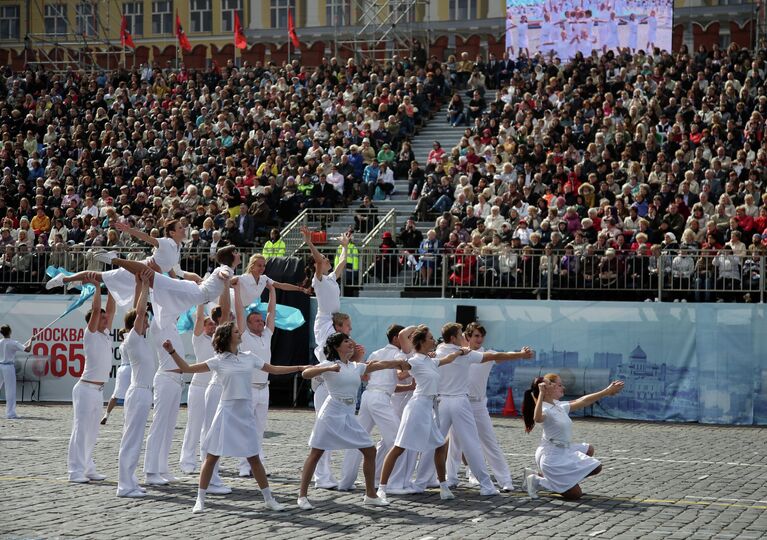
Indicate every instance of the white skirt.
{"type": "Point", "coordinates": [563, 468]}
{"type": "Point", "coordinates": [337, 428]}
{"type": "Point", "coordinates": [419, 429]}
{"type": "Point", "coordinates": [122, 381]}
{"type": "Point", "coordinates": [172, 297]}
{"type": "Point", "coordinates": [121, 285]}
{"type": "Point", "coordinates": [234, 431]}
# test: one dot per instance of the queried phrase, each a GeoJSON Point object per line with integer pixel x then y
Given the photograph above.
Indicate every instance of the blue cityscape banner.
{"type": "Point", "coordinates": [681, 362]}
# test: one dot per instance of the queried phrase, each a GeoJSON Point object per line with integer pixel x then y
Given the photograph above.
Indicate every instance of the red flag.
{"type": "Point", "coordinates": [126, 39]}
{"type": "Point", "coordinates": [239, 36]}
{"type": "Point", "coordinates": [183, 41]}
{"type": "Point", "coordinates": [292, 31]}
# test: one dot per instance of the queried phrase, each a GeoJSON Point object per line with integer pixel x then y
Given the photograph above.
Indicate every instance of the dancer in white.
{"type": "Point", "coordinates": [88, 393]}
{"type": "Point", "coordinates": [478, 375]}
{"type": "Point", "coordinates": [419, 430]}
{"type": "Point", "coordinates": [138, 398]}
{"type": "Point", "coordinates": [633, 24]}
{"type": "Point", "coordinates": [522, 40]}
{"type": "Point", "coordinates": [612, 41]}
{"type": "Point", "coordinates": [325, 285]}
{"type": "Point", "coordinates": [257, 335]}
{"type": "Point", "coordinates": [8, 350]}
{"type": "Point", "coordinates": [337, 427]}
{"type": "Point", "coordinates": [652, 30]}
{"type": "Point", "coordinates": [253, 282]}
{"type": "Point", "coordinates": [376, 410]}
{"type": "Point", "coordinates": [562, 463]}
{"type": "Point", "coordinates": [454, 406]}
{"type": "Point", "coordinates": [234, 431]}
{"type": "Point", "coordinates": [122, 382]}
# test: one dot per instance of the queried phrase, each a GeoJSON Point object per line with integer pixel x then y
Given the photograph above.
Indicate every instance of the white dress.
{"type": "Point", "coordinates": [234, 431]}
{"type": "Point", "coordinates": [419, 428]}
{"type": "Point", "coordinates": [336, 427]}
{"type": "Point", "coordinates": [562, 463]}
{"type": "Point", "coordinates": [172, 297]}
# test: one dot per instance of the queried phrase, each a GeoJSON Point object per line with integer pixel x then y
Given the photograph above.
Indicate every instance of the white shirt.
{"type": "Point", "coordinates": [337, 181]}
{"type": "Point", "coordinates": [124, 355]}
{"type": "Point", "coordinates": [261, 346]}
{"type": "Point", "coordinates": [478, 375]}
{"type": "Point", "coordinates": [166, 255]}
{"type": "Point", "coordinates": [233, 372]}
{"type": "Point", "coordinates": [141, 359]}
{"type": "Point", "coordinates": [250, 289]}
{"type": "Point", "coordinates": [344, 383]}
{"type": "Point", "coordinates": [203, 351]}
{"type": "Point", "coordinates": [213, 285]}
{"type": "Point", "coordinates": [98, 356]}
{"type": "Point", "coordinates": [425, 371]}
{"type": "Point", "coordinates": [454, 377]}
{"type": "Point", "coordinates": [557, 425]}
{"type": "Point", "coordinates": [328, 294]}
{"type": "Point", "coordinates": [8, 349]}
{"type": "Point", "coordinates": [384, 379]}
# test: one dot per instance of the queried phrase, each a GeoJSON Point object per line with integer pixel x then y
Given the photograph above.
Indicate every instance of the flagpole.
{"type": "Point", "coordinates": [234, 53]}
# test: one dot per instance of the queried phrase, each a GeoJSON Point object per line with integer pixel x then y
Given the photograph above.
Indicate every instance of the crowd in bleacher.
{"type": "Point", "coordinates": [618, 168]}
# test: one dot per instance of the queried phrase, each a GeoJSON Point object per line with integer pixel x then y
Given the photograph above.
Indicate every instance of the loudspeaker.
{"type": "Point", "coordinates": [465, 314]}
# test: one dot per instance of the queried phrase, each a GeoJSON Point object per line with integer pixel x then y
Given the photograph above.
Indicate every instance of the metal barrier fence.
{"type": "Point", "coordinates": [670, 275]}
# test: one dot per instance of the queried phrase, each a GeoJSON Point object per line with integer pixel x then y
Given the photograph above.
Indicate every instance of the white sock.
{"type": "Point", "coordinates": [267, 493]}
{"type": "Point", "coordinates": [382, 487]}
{"type": "Point", "coordinates": [444, 485]}
{"type": "Point", "coordinates": [201, 494]}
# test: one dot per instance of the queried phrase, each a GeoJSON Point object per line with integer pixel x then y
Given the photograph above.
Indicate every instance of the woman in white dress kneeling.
{"type": "Point", "coordinates": [336, 427]}
{"type": "Point", "coordinates": [234, 431]}
{"type": "Point", "coordinates": [562, 463]}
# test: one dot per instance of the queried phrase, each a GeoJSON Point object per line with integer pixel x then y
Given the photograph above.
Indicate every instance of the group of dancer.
{"type": "Point", "coordinates": [428, 401]}
{"type": "Point", "coordinates": [583, 26]}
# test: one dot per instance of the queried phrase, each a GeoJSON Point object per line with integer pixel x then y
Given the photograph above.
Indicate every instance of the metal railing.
{"type": "Point", "coordinates": [685, 276]}
{"type": "Point", "coordinates": [318, 219]}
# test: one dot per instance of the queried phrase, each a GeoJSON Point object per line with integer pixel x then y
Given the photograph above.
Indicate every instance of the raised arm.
{"type": "Point", "coordinates": [525, 354]}
{"type": "Point", "coordinates": [316, 255]}
{"type": "Point", "coordinates": [315, 371]}
{"type": "Point", "coordinates": [93, 323]}
{"type": "Point", "coordinates": [143, 297]}
{"type": "Point", "coordinates": [612, 389]}
{"type": "Point", "coordinates": [538, 415]}
{"type": "Point", "coordinates": [341, 266]}
{"type": "Point", "coordinates": [202, 367]}
{"type": "Point", "coordinates": [225, 301]}
{"type": "Point", "coordinates": [135, 233]}
{"type": "Point", "coordinates": [239, 309]}
{"type": "Point", "coordinates": [271, 311]}
{"type": "Point", "coordinates": [199, 320]}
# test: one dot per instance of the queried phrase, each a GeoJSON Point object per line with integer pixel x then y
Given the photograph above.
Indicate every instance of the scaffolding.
{"type": "Point", "coordinates": [90, 47]}
{"type": "Point", "coordinates": [385, 28]}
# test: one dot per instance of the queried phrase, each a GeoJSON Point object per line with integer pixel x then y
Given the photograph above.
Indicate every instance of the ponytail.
{"type": "Point", "coordinates": [528, 404]}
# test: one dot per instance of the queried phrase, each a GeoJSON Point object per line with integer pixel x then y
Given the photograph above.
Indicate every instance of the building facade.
{"type": "Point", "coordinates": [86, 33]}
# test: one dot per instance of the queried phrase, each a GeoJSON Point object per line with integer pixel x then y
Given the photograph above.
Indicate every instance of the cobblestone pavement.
{"type": "Point", "coordinates": [659, 481]}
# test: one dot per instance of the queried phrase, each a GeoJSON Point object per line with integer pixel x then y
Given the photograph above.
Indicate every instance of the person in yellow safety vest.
{"type": "Point", "coordinates": [275, 246]}
{"type": "Point", "coordinates": [352, 261]}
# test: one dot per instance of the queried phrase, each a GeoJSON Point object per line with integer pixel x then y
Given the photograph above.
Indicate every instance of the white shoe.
{"type": "Point", "coordinates": [96, 476]}
{"type": "Point", "coordinates": [186, 469]}
{"type": "Point", "coordinates": [400, 491]}
{"type": "Point", "coordinates": [272, 504]}
{"type": "Point", "coordinates": [304, 504]}
{"type": "Point", "coordinates": [507, 487]}
{"type": "Point", "coordinates": [134, 493]}
{"type": "Point", "coordinates": [154, 479]}
{"type": "Point", "coordinates": [381, 494]}
{"type": "Point", "coordinates": [530, 484]}
{"type": "Point", "coordinates": [55, 281]}
{"type": "Point", "coordinates": [199, 507]}
{"type": "Point", "coordinates": [141, 489]}
{"type": "Point", "coordinates": [219, 489]}
{"type": "Point", "coordinates": [105, 256]}
{"type": "Point", "coordinates": [472, 480]}
{"type": "Point", "coordinates": [375, 501]}
{"type": "Point", "coordinates": [489, 492]}
{"type": "Point", "coordinates": [244, 473]}
{"type": "Point", "coordinates": [169, 477]}
{"type": "Point", "coordinates": [79, 479]}
{"type": "Point", "coordinates": [445, 494]}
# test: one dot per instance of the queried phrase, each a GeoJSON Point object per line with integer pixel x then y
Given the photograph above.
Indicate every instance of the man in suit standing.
{"type": "Point", "coordinates": [246, 225]}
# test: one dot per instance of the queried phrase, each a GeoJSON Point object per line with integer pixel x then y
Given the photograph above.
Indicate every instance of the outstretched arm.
{"type": "Point", "coordinates": [202, 367]}
{"type": "Point", "coordinates": [291, 287]}
{"type": "Point", "coordinates": [452, 356]}
{"type": "Point", "coordinates": [378, 365]}
{"type": "Point", "coordinates": [525, 354]}
{"type": "Point", "coordinates": [135, 233]}
{"type": "Point", "coordinates": [612, 389]}
{"type": "Point", "coordinates": [314, 371]}
{"type": "Point", "coordinates": [282, 370]}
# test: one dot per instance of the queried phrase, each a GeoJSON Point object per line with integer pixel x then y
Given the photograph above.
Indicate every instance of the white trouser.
{"type": "Point", "coordinates": [490, 447]}
{"type": "Point", "coordinates": [8, 379]}
{"type": "Point", "coordinates": [260, 398]}
{"type": "Point", "coordinates": [212, 398]}
{"type": "Point", "coordinates": [138, 401]}
{"type": "Point", "coordinates": [167, 400]}
{"type": "Point", "coordinates": [375, 410]}
{"type": "Point", "coordinates": [87, 403]}
{"type": "Point", "coordinates": [322, 473]}
{"type": "Point", "coordinates": [456, 412]}
{"type": "Point", "coordinates": [195, 416]}
{"type": "Point", "coordinates": [425, 471]}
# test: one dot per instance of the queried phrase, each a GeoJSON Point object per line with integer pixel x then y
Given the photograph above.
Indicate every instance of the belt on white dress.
{"type": "Point", "coordinates": [345, 401]}
{"type": "Point", "coordinates": [96, 386]}
{"type": "Point", "coordinates": [173, 375]}
{"type": "Point", "coordinates": [558, 443]}
{"type": "Point", "coordinates": [259, 385]}
{"type": "Point", "coordinates": [381, 390]}
{"type": "Point", "coordinates": [142, 386]}
{"type": "Point", "coordinates": [476, 399]}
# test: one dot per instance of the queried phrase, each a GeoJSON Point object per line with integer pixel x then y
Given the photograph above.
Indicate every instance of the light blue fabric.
{"type": "Point", "coordinates": [286, 317]}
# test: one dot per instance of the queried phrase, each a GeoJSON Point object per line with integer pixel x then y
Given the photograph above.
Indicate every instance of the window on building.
{"type": "Point", "coordinates": [162, 17]}
{"type": "Point", "coordinates": [85, 17]}
{"type": "Point", "coordinates": [228, 7]}
{"type": "Point", "coordinates": [404, 11]}
{"type": "Point", "coordinates": [134, 17]}
{"type": "Point", "coordinates": [279, 12]}
{"type": "Point", "coordinates": [463, 10]}
{"type": "Point", "coordinates": [338, 12]}
{"type": "Point", "coordinates": [201, 15]}
{"type": "Point", "coordinates": [9, 22]}
{"type": "Point", "coordinates": [55, 19]}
